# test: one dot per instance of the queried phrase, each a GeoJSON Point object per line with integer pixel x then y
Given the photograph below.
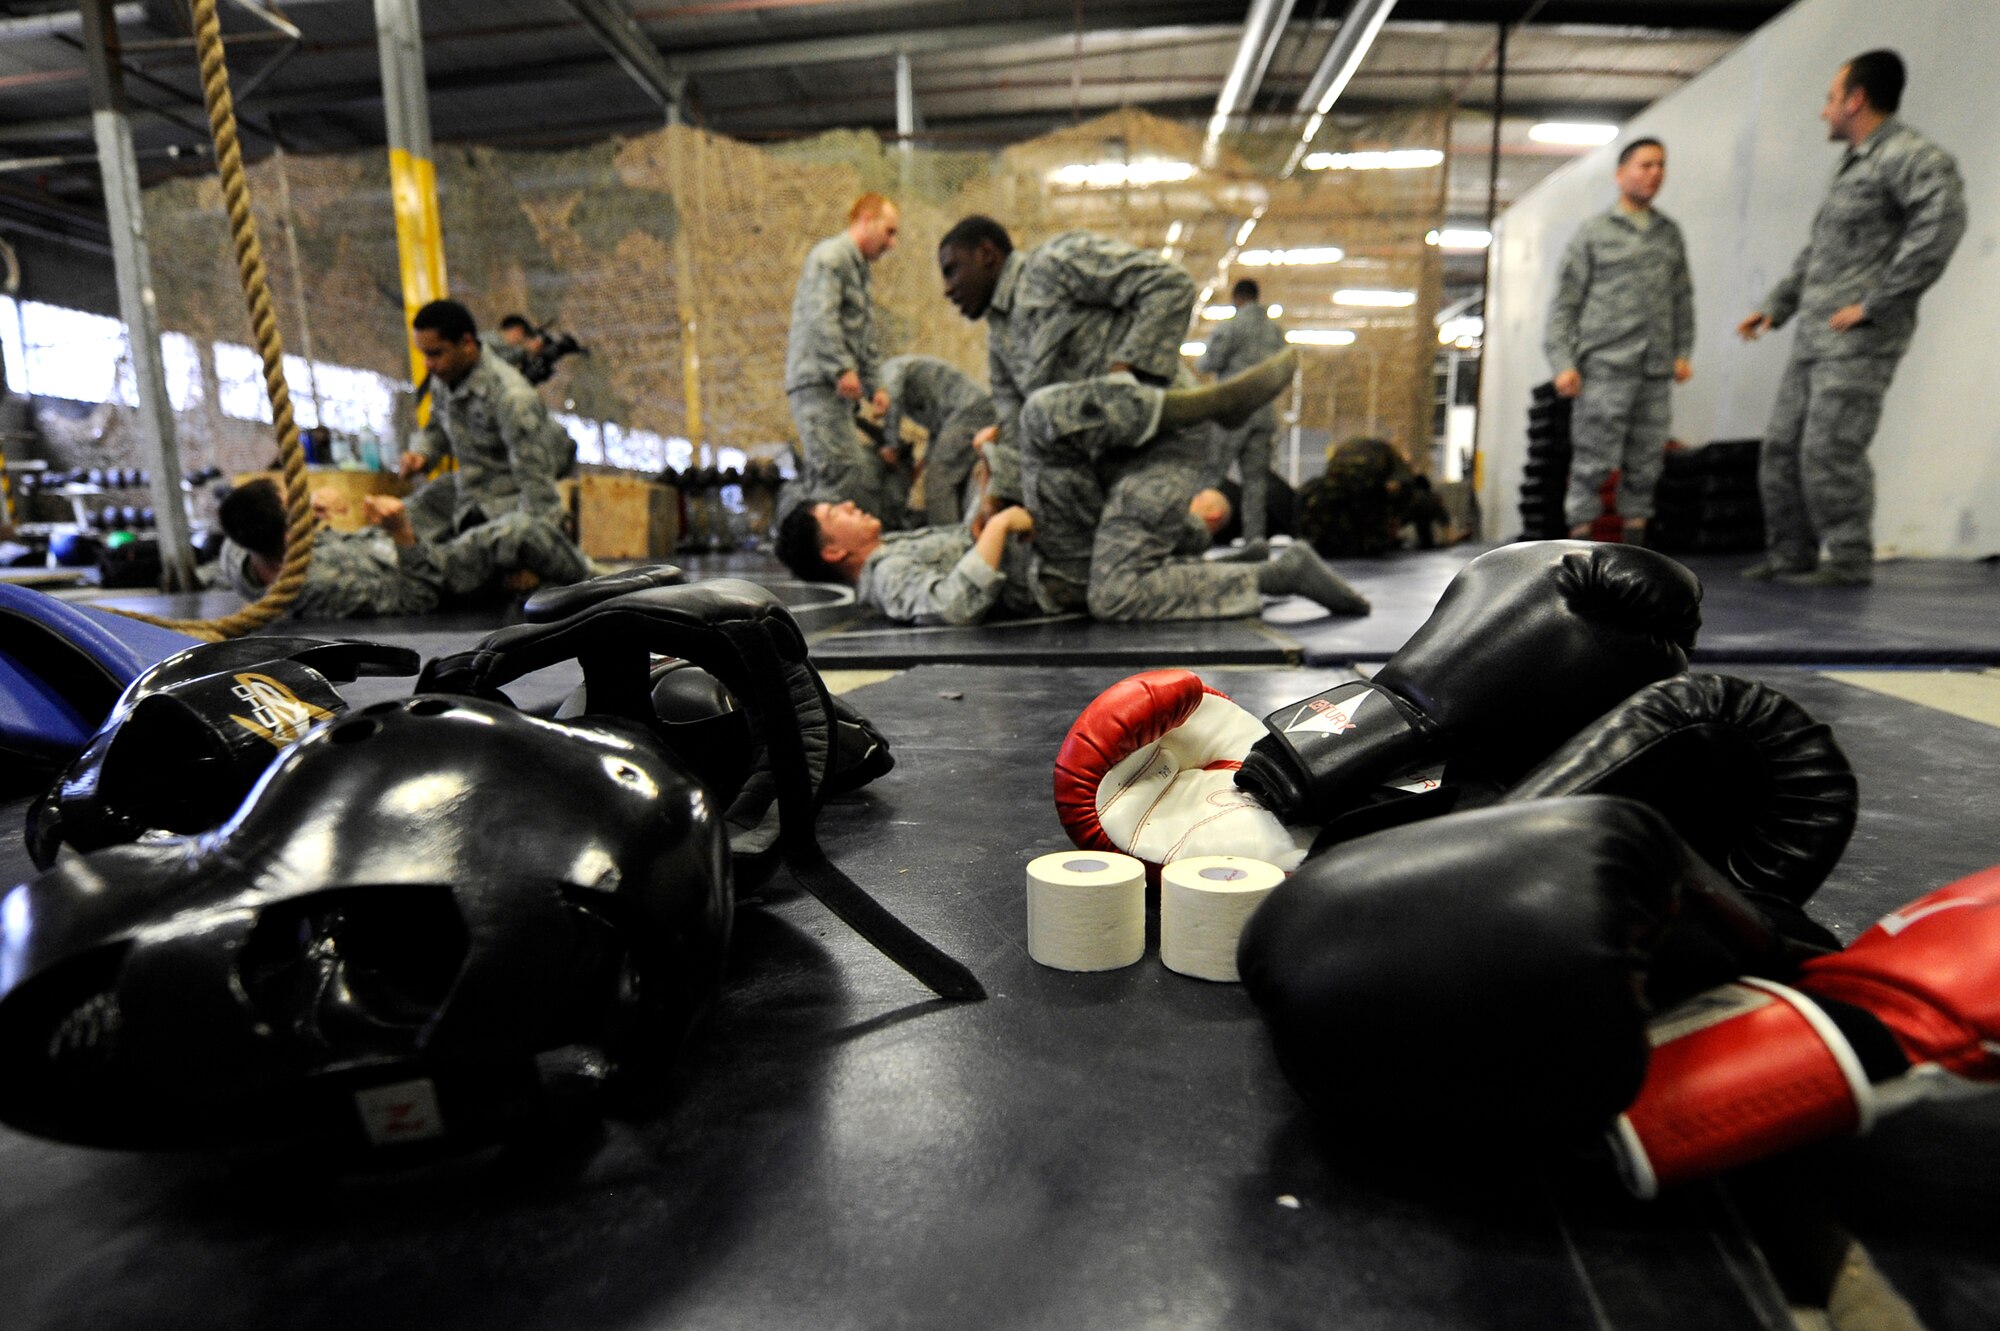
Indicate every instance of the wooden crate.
{"type": "Point", "coordinates": [622, 517]}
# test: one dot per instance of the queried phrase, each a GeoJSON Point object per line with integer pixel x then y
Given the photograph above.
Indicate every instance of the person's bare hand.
{"type": "Point", "coordinates": [328, 503]}
{"type": "Point", "coordinates": [888, 455]}
{"type": "Point", "coordinates": [1682, 370]}
{"type": "Point", "coordinates": [986, 435]}
{"type": "Point", "coordinates": [521, 580]}
{"type": "Point", "coordinates": [1212, 507]}
{"type": "Point", "coordinates": [848, 385]}
{"type": "Point", "coordinates": [411, 464]}
{"type": "Point", "coordinates": [391, 515]}
{"type": "Point", "coordinates": [1569, 383]}
{"type": "Point", "coordinates": [1016, 520]}
{"type": "Point", "coordinates": [1754, 327]}
{"type": "Point", "coordinates": [1846, 317]}
{"type": "Point", "coordinates": [880, 401]}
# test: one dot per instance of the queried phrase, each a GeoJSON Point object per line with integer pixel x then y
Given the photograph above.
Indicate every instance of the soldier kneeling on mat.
{"type": "Point", "coordinates": [384, 568]}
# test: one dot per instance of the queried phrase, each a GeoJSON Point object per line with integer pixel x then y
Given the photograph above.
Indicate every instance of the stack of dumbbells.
{"type": "Point", "coordinates": [1546, 473]}
{"type": "Point", "coordinates": [1707, 501]}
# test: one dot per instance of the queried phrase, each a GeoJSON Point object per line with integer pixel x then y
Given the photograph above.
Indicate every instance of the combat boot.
{"type": "Point", "coordinates": [1232, 401]}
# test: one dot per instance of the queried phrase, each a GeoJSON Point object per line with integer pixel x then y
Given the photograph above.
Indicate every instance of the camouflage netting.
{"type": "Point", "coordinates": [673, 256]}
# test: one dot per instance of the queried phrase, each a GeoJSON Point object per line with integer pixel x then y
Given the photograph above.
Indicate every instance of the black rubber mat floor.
{"type": "Point", "coordinates": [1918, 612]}
{"type": "Point", "coordinates": [1114, 1150]}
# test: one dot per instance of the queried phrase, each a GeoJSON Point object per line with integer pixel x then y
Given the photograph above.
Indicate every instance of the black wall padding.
{"type": "Point", "coordinates": [1546, 474]}
{"type": "Point", "coordinates": [1707, 501]}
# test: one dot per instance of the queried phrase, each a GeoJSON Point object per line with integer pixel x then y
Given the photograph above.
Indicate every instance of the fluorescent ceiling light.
{"type": "Point", "coordinates": [1292, 258]}
{"type": "Point", "coordinates": [1573, 133]}
{"type": "Point", "coordinates": [1117, 175]}
{"type": "Point", "coordinates": [1384, 299]}
{"type": "Point", "coordinates": [1320, 337]}
{"type": "Point", "coordinates": [1243, 232]}
{"type": "Point", "coordinates": [1193, 348]}
{"type": "Point", "coordinates": [1174, 233]}
{"type": "Point", "coordinates": [1214, 313]}
{"type": "Point", "coordinates": [1398, 159]}
{"type": "Point", "coordinates": [1459, 238]}
{"type": "Point", "coordinates": [1461, 330]}
{"type": "Point", "coordinates": [1275, 311]}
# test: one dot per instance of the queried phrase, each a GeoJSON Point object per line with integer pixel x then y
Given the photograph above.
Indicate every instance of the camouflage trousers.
{"type": "Point", "coordinates": [1621, 422]}
{"type": "Point", "coordinates": [948, 460]}
{"type": "Point", "coordinates": [479, 555]}
{"type": "Point", "coordinates": [1110, 507]}
{"type": "Point", "coordinates": [1248, 447]}
{"type": "Point", "coordinates": [1814, 474]}
{"type": "Point", "coordinates": [836, 463]}
{"type": "Point", "coordinates": [518, 539]}
{"type": "Point", "coordinates": [431, 507]}
{"type": "Point", "coordinates": [358, 573]}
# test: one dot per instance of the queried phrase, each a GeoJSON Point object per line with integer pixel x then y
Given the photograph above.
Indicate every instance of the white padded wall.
{"type": "Point", "coordinates": [1748, 163]}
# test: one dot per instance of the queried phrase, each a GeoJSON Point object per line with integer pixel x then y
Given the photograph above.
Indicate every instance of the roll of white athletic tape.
{"type": "Point", "coordinates": [1086, 910]}
{"type": "Point", "coordinates": [1204, 903]}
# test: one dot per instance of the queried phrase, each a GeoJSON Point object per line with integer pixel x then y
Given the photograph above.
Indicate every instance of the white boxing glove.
{"type": "Point", "coordinates": [1149, 769]}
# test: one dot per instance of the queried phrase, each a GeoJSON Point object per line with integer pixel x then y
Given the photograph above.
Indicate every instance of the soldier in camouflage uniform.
{"type": "Point", "coordinates": [384, 568]}
{"type": "Point", "coordinates": [1620, 331]}
{"type": "Point", "coordinates": [933, 575]}
{"type": "Point", "coordinates": [1358, 506]}
{"type": "Point", "coordinates": [509, 450]}
{"type": "Point", "coordinates": [1894, 214]}
{"type": "Point", "coordinates": [830, 367]}
{"type": "Point", "coordinates": [952, 408]}
{"type": "Point", "coordinates": [1083, 338]}
{"type": "Point", "coordinates": [946, 574]}
{"type": "Point", "coordinates": [1235, 344]}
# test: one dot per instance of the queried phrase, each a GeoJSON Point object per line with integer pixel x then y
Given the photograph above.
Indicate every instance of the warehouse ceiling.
{"type": "Point", "coordinates": [529, 73]}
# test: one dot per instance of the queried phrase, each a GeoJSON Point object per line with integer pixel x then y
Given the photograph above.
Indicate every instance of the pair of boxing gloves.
{"type": "Point", "coordinates": [1530, 646]}
{"type": "Point", "coordinates": [1496, 970]}
{"type": "Point", "coordinates": [1544, 970]}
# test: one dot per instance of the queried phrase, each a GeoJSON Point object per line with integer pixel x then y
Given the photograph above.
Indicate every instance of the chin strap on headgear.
{"type": "Point", "coordinates": [742, 635]}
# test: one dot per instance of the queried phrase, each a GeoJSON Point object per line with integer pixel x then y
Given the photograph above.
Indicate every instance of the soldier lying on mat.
{"type": "Point", "coordinates": [963, 574]}
{"type": "Point", "coordinates": [383, 568]}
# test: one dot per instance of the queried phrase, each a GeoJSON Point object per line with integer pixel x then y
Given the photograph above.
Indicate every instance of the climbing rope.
{"type": "Point", "coordinates": [257, 294]}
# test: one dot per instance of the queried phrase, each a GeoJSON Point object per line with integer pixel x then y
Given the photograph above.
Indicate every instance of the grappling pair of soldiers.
{"type": "Point", "coordinates": [1100, 447]}
{"type": "Point", "coordinates": [491, 527]}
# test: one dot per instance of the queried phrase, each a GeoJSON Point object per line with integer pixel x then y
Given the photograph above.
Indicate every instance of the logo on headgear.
{"type": "Point", "coordinates": [277, 715]}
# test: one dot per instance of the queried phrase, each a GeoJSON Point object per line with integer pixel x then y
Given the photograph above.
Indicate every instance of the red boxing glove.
{"type": "Point", "coordinates": [1910, 1012]}
{"type": "Point", "coordinates": [1149, 769]}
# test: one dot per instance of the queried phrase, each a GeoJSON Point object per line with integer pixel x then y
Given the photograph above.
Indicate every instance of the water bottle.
{"type": "Point", "coordinates": [371, 449]}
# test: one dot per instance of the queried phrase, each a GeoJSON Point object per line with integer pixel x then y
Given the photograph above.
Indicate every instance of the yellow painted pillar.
{"type": "Point", "coordinates": [412, 176]}
{"type": "Point", "coordinates": [683, 142]}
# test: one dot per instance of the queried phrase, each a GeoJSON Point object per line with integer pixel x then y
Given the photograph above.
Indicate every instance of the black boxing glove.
{"type": "Point", "coordinates": [1748, 779]}
{"type": "Point", "coordinates": [1492, 972]}
{"type": "Point", "coordinates": [1528, 644]}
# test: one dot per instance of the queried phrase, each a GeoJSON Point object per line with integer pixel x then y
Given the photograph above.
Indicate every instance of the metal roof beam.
{"type": "Point", "coordinates": [61, 23]}
{"type": "Point", "coordinates": [866, 47]}
{"type": "Point", "coordinates": [634, 51]}
{"type": "Point", "coordinates": [1261, 27]}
